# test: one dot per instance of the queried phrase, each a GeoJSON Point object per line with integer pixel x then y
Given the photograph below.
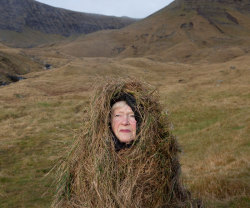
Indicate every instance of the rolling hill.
{"type": "Point", "coordinates": [26, 23]}
{"type": "Point", "coordinates": [14, 63]}
{"type": "Point", "coordinates": [186, 30]}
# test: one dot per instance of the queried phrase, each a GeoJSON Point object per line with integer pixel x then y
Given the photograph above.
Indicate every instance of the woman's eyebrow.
{"type": "Point", "coordinates": [124, 112]}
{"type": "Point", "coordinates": [119, 112]}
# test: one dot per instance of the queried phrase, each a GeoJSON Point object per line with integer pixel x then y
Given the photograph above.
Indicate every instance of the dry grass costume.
{"type": "Point", "coordinates": [103, 173]}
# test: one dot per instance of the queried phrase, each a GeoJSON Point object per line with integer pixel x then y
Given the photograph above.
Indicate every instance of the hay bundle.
{"type": "Point", "coordinates": [146, 175]}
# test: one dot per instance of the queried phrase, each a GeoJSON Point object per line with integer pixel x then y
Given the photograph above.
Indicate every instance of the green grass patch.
{"type": "Point", "coordinates": [188, 120]}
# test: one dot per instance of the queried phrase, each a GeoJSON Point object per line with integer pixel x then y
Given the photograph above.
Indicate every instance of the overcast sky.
{"type": "Point", "coordinates": [130, 8]}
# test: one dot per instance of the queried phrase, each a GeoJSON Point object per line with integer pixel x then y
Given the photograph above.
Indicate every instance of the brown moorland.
{"type": "Point", "coordinates": [15, 63]}
{"type": "Point", "coordinates": [186, 31]}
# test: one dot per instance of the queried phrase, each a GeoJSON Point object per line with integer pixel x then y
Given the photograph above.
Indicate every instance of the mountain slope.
{"type": "Point", "coordinates": [23, 16]}
{"type": "Point", "coordinates": [186, 30]}
{"type": "Point", "coordinates": [14, 63]}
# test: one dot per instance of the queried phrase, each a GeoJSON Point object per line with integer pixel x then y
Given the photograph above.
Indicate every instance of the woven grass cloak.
{"type": "Point", "coordinates": [146, 175]}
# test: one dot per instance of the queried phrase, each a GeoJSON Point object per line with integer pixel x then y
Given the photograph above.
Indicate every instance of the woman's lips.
{"type": "Point", "coordinates": [125, 131]}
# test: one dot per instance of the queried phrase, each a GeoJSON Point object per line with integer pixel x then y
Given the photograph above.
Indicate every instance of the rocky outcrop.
{"type": "Point", "coordinates": [241, 5]}
{"type": "Point", "coordinates": [15, 15]}
{"type": "Point", "coordinates": [215, 11]}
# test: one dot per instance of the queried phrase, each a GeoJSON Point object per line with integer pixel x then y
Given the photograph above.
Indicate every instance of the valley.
{"type": "Point", "coordinates": [208, 105]}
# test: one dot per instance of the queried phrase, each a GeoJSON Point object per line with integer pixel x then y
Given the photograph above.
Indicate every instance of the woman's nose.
{"type": "Point", "coordinates": [125, 120]}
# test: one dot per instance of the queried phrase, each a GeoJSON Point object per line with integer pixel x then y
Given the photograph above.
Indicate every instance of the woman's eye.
{"type": "Point", "coordinates": [132, 116]}
{"type": "Point", "coordinates": [117, 115]}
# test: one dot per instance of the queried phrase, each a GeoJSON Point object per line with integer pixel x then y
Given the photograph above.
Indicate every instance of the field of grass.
{"type": "Point", "coordinates": [209, 106]}
{"type": "Point", "coordinates": [28, 38]}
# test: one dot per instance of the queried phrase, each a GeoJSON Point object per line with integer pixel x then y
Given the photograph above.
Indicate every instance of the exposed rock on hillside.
{"type": "Point", "coordinates": [217, 12]}
{"type": "Point", "coordinates": [18, 15]}
{"type": "Point", "coordinates": [186, 30]}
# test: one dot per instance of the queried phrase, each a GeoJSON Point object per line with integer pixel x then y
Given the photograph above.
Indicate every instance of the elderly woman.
{"type": "Point", "coordinates": [125, 156]}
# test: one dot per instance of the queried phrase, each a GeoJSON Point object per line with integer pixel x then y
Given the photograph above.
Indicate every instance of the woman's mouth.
{"type": "Point", "coordinates": [125, 131]}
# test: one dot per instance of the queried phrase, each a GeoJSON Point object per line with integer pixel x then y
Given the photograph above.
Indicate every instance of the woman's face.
{"type": "Point", "coordinates": [123, 122]}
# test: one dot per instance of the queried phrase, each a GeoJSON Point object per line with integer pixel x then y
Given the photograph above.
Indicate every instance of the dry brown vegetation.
{"type": "Point", "coordinates": [207, 103]}
{"type": "Point", "coordinates": [145, 175]}
{"type": "Point", "coordinates": [175, 33]}
{"type": "Point", "coordinates": [14, 62]}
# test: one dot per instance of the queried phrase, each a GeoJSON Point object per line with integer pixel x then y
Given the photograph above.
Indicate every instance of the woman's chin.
{"type": "Point", "coordinates": [125, 140]}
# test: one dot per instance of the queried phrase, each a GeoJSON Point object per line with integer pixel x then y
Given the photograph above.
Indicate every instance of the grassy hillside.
{"type": "Point", "coordinates": [24, 19]}
{"type": "Point", "coordinates": [185, 31]}
{"type": "Point", "coordinates": [15, 62]}
{"type": "Point", "coordinates": [28, 38]}
{"type": "Point", "coordinates": [207, 103]}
